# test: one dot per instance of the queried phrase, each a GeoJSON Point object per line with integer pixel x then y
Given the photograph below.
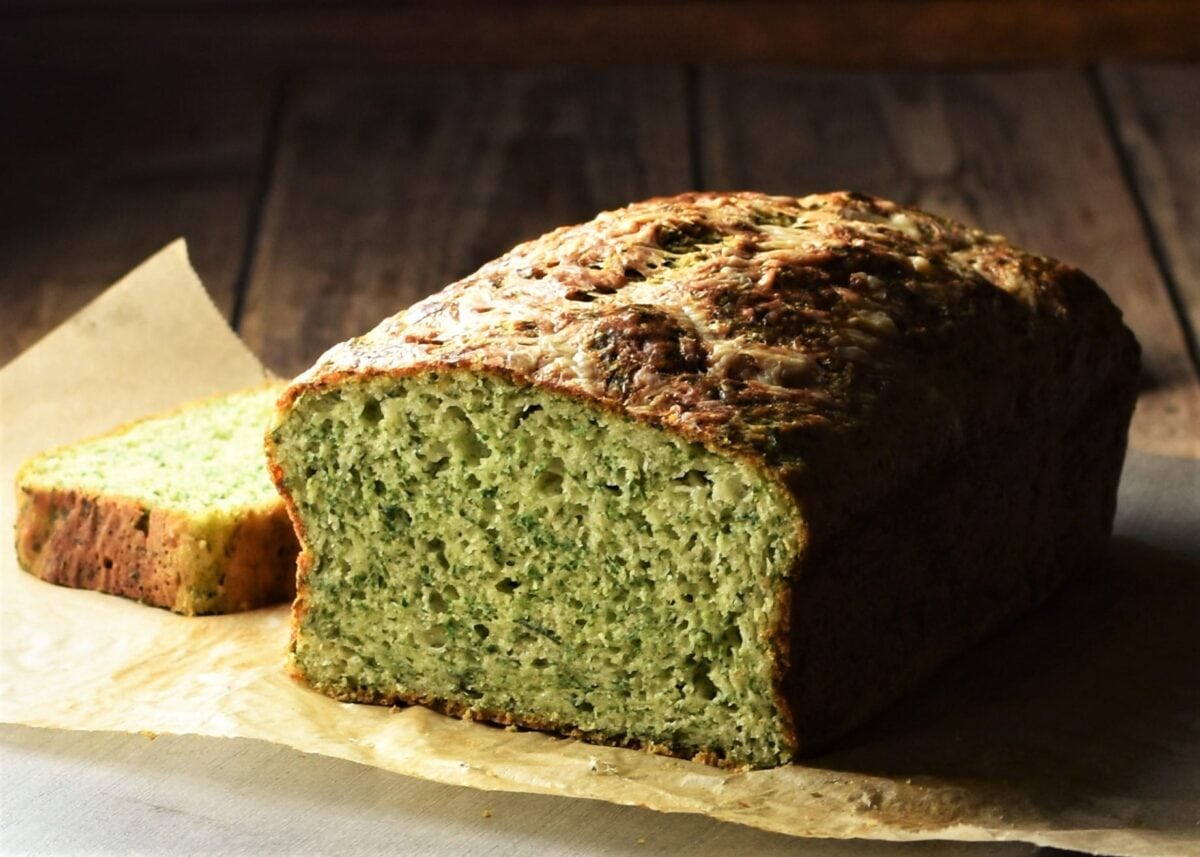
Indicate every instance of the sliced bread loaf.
{"type": "Point", "coordinates": [719, 474]}
{"type": "Point", "coordinates": [175, 510]}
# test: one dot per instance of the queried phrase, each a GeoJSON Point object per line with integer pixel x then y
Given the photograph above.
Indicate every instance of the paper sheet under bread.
{"type": "Point", "coordinates": [1078, 728]}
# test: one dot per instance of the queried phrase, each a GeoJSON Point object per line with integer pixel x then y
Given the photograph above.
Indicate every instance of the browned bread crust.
{"type": "Point", "coordinates": [841, 340]}
{"type": "Point", "coordinates": [118, 546]}
{"type": "Point", "coordinates": [947, 411]}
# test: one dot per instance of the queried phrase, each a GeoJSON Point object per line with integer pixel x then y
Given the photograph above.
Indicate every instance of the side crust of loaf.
{"type": "Point", "coordinates": [946, 561]}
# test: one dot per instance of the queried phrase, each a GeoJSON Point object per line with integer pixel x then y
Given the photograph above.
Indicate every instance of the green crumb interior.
{"type": "Point", "coordinates": [203, 460]}
{"type": "Point", "coordinates": [498, 549]}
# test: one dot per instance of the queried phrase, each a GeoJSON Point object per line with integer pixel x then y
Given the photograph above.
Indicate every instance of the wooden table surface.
{"type": "Point", "coordinates": [316, 203]}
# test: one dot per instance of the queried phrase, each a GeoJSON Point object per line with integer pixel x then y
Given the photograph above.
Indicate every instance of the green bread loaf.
{"type": "Point", "coordinates": [717, 475]}
{"type": "Point", "coordinates": [175, 510]}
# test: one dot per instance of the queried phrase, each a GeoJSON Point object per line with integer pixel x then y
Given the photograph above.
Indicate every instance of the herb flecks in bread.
{"type": "Point", "coordinates": [176, 511]}
{"type": "Point", "coordinates": [512, 551]}
{"type": "Point", "coordinates": [654, 479]}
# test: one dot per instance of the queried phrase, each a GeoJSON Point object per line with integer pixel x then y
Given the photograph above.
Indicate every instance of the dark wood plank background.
{"type": "Point", "coordinates": [317, 203]}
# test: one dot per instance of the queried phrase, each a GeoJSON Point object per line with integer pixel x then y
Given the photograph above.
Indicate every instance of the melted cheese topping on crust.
{"type": "Point", "coordinates": [769, 326]}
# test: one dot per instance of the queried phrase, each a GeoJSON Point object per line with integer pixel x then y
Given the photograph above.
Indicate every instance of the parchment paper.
{"type": "Point", "coordinates": [1078, 728]}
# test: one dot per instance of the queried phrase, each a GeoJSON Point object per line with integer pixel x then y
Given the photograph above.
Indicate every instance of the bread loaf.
{"type": "Point", "coordinates": [716, 475]}
{"type": "Point", "coordinates": [176, 511]}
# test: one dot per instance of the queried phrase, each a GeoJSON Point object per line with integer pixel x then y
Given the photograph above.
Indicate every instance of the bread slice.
{"type": "Point", "coordinates": [176, 511]}
{"type": "Point", "coordinates": [717, 475]}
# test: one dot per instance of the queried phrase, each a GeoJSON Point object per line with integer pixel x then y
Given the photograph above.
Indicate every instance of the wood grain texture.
{"type": "Point", "coordinates": [387, 188]}
{"type": "Point", "coordinates": [1025, 154]}
{"type": "Point", "coordinates": [103, 170]}
{"type": "Point", "coordinates": [1157, 115]}
{"type": "Point", "coordinates": [474, 32]}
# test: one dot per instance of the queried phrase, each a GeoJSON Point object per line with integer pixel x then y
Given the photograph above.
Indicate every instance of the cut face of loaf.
{"type": "Point", "coordinates": [510, 552]}
{"type": "Point", "coordinates": [717, 475]}
{"type": "Point", "coordinates": [174, 510]}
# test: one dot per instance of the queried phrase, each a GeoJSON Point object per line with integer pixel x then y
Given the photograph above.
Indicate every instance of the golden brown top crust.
{"type": "Point", "coordinates": [830, 337]}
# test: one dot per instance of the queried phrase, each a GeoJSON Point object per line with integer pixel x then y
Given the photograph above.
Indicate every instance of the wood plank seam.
{"type": "Point", "coordinates": [258, 202]}
{"type": "Point", "coordinates": [1129, 175]}
{"type": "Point", "coordinates": [695, 125]}
{"type": "Point", "coordinates": [110, 167]}
{"type": "Point", "coordinates": [388, 186]}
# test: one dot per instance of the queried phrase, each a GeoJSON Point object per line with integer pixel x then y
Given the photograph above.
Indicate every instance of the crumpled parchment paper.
{"type": "Point", "coordinates": [1077, 728]}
